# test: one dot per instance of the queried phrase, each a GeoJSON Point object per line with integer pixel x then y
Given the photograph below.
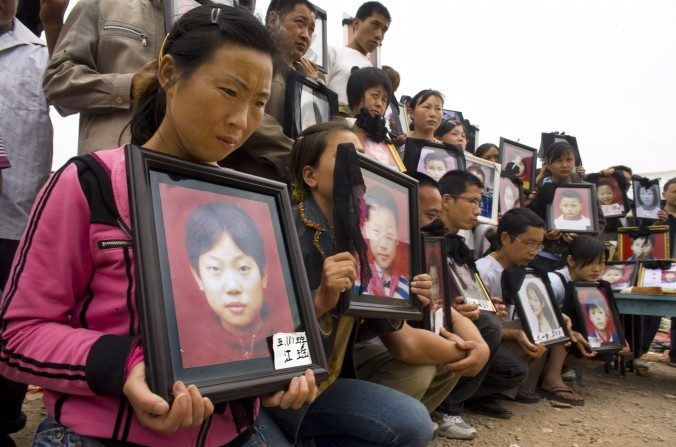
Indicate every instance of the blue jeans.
{"type": "Point", "coordinates": [358, 413]}
{"type": "Point", "coordinates": [52, 434]}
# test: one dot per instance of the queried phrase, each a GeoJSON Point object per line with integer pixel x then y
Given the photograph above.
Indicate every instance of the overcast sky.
{"type": "Point", "coordinates": [603, 71]}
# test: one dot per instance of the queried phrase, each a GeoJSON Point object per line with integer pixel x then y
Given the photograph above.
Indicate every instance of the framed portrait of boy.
{"type": "Point", "coordinates": [550, 138]}
{"type": "Point", "coordinates": [620, 274]}
{"type": "Point", "coordinates": [317, 53]}
{"type": "Point", "coordinates": [573, 209]}
{"type": "Point", "coordinates": [219, 274]}
{"type": "Point", "coordinates": [510, 194]}
{"type": "Point", "coordinates": [660, 274]}
{"type": "Point", "coordinates": [389, 225]}
{"type": "Point", "coordinates": [438, 313]}
{"type": "Point", "coordinates": [433, 159]}
{"type": "Point", "coordinates": [597, 318]}
{"type": "Point", "coordinates": [174, 9]}
{"type": "Point", "coordinates": [383, 152]}
{"type": "Point", "coordinates": [306, 103]}
{"type": "Point", "coordinates": [643, 243]}
{"type": "Point", "coordinates": [518, 160]}
{"type": "Point", "coordinates": [468, 284]}
{"type": "Point", "coordinates": [646, 198]}
{"type": "Point", "coordinates": [611, 192]}
{"type": "Point", "coordinates": [489, 174]}
{"type": "Point", "coordinates": [540, 316]}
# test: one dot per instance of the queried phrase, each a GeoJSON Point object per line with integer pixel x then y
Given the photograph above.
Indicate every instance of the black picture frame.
{"type": "Point", "coordinates": [448, 156]}
{"type": "Point", "coordinates": [587, 297]}
{"type": "Point", "coordinates": [511, 194]}
{"type": "Point", "coordinates": [438, 313]}
{"type": "Point", "coordinates": [318, 51]}
{"type": "Point", "coordinates": [454, 115]}
{"type": "Point", "coordinates": [489, 173]}
{"type": "Point", "coordinates": [306, 103]}
{"type": "Point", "coordinates": [174, 9]}
{"type": "Point", "coordinates": [627, 271]}
{"type": "Point", "coordinates": [472, 293]}
{"type": "Point", "coordinates": [555, 327]}
{"type": "Point", "coordinates": [393, 120]}
{"type": "Point", "coordinates": [162, 187]}
{"type": "Point", "coordinates": [510, 151]}
{"type": "Point", "coordinates": [585, 195]}
{"type": "Point", "coordinates": [403, 190]}
{"type": "Point", "coordinates": [611, 191]}
{"type": "Point", "coordinates": [549, 138]}
{"type": "Point", "coordinates": [638, 187]}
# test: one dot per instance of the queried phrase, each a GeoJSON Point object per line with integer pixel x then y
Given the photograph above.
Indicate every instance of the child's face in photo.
{"type": "Point", "coordinates": [381, 231]}
{"type": "Point", "coordinates": [534, 302]}
{"type": "Point", "coordinates": [380, 154]}
{"type": "Point", "coordinates": [435, 169]}
{"type": "Point", "coordinates": [647, 196]}
{"type": "Point", "coordinates": [518, 162]}
{"type": "Point", "coordinates": [605, 194]}
{"type": "Point", "coordinates": [570, 207]}
{"type": "Point", "coordinates": [641, 246]}
{"type": "Point", "coordinates": [669, 277]}
{"type": "Point", "coordinates": [612, 275]}
{"type": "Point", "coordinates": [598, 317]}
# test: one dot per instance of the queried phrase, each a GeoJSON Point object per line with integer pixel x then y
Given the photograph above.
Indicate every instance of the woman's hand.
{"type": "Point", "coordinates": [583, 345]}
{"type": "Point", "coordinates": [338, 275]}
{"type": "Point", "coordinates": [581, 170]}
{"type": "Point", "coordinates": [189, 408]}
{"type": "Point", "coordinates": [662, 217]}
{"type": "Point", "coordinates": [569, 237]}
{"type": "Point", "coordinates": [530, 198]}
{"type": "Point", "coordinates": [470, 311]}
{"type": "Point", "coordinates": [553, 235]}
{"type": "Point", "coordinates": [421, 286]}
{"type": "Point", "coordinates": [301, 390]}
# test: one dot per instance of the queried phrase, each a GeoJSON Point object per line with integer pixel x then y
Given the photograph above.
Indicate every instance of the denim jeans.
{"type": "Point", "coordinates": [50, 433]}
{"type": "Point", "coordinates": [358, 413]}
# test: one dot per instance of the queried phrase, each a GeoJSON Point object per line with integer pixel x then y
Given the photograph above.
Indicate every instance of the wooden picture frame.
{"type": "Point", "coordinates": [433, 159]}
{"type": "Point", "coordinates": [573, 209]}
{"type": "Point", "coordinates": [306, 103]}
{"type": "Point", "coordinates": [438, 313]}
{"type": "Point", "coordinates": [489, 173]}
{"type": "Point", "coordinates": [660, 274]}
{"type": "Point", "coordinates": [389, 224]}
{"type": "Point", "coordinates": [596, 318]}
{"type": "Point", "coordinates": [520, 161]}
{"type": "Point", "coordinates": [643, 243]}
{"type": "Point", "coordinates": [620, 274]}
{"type": "Point", "coordinates": [179, 259]}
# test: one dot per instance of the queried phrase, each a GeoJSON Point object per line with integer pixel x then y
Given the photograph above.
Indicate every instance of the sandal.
{"type": "Point", "coordinates": [555, 394]}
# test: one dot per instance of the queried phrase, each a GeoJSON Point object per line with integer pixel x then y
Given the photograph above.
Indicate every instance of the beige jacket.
{"type": "Point", "coordinates": [102, 44]}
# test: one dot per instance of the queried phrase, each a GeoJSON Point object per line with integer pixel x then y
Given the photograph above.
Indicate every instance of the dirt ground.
{"type": "Point", "coordinates": [620, 411]}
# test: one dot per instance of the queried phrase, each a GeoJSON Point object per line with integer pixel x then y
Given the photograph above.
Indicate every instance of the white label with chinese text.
{"type": "Point", "coordinates": [291, 350]}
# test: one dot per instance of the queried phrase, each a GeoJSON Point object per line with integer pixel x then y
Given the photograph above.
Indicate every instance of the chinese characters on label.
{"type": "Point", "coordinates": [542, 337]}
{"type": "Point", "coordinates": [291, 350]}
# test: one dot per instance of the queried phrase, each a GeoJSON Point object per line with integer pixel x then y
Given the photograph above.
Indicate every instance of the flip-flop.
{"type": "Point", "coordinates": [553, 394]}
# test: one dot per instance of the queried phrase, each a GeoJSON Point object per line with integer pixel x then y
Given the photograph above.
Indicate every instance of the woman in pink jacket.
{"type": "Point", "coordinates": [69, 318]}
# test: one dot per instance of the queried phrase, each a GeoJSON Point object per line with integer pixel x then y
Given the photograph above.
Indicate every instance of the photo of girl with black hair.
{"type": "Point", "coordinates": [647, 200]}
{"type": "Point", "coordinates": [610, 197]}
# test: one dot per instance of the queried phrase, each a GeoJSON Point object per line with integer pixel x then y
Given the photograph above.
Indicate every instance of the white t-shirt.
{"type": "Point", "coordinates": [490, 272]}
{"type": "Point", "coordinates": [583, 223]}
{"type": "Point", "coordinates": [339, 67]}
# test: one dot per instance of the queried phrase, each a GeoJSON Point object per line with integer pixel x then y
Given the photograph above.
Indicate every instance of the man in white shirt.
{"type": "Point", "coordinates": [370, 25]}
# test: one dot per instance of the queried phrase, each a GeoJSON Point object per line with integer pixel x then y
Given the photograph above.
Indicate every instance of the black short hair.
{"type": "Point", "coordinates": [363, 79]}
{"type": "Point", "coordinates": [435, 156]}
{"type": "Point", "coordinates": [447, 126]}
{"type": "Point", "coordinates": [623, 168]}
{"type": "Point", "coordinates": [558, 150]}
{"type": "Point", "coordinates": [283, 7]}
{"type": "Point", "coordinates": [423, 179]}
{"type": "Point", "coordinates": [517, 221]}
{"type": "Point", "coordinates": [481, 150]}
{"type": "Point", "coordinates": [587, 249]}
{"type": "Point", "coordinates": [457, 182]}
{"type": "Point", "coordinates": [367, 9]}
{"type": "Point", "coordinates": [571, 194]}
{"type": "Point", "coordinates": [377, 195]}
{"type": "Point", "coordinates": [670, 182]}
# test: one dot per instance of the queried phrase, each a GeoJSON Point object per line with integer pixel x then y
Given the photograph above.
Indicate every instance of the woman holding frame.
{"type": "Point", "coordinates": [426, 110]}
{"type": "Point", "coordinates": [76, 332]}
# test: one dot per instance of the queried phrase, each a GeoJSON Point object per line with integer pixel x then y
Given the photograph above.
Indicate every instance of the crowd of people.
{"type": "Point", "coordinates": [212, 90]}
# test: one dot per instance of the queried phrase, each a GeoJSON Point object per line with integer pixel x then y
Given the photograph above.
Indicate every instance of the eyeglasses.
{"type": "Point", "coordinates": [476, 202]}
{"type": "Point", "coordinates": [531, 246]}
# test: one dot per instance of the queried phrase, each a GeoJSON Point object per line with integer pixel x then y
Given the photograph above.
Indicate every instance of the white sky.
{"type": "Point", "coordinates": [603, 71]}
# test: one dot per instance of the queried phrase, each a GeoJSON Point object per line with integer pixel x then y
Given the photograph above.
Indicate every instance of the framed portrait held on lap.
{"type": "Point", "coordinates": [620, 274]}
{"type": "Point", "coordinates": [573, 209]}
{"type": "Point", "coordinates": [518, 160]}
{"type": "Point", "coordinates": [597, 318]}
{"type": "Point", "coordinates": [539, 314]}
{"type": "Point", "coordinates": [643, 243]}
{"type": "Point", "coordinates": [438, 313]}
{"type": "Point", "coordinates": [433, 159]}
{"type": "Point", "coordinates": [389, 226]}
{"type": "Point", "coordinates": [219, 273]}
{"type": "Point", "coordinates": [468, 284]}
{"type": "Point", "coordinates": [489, 174]}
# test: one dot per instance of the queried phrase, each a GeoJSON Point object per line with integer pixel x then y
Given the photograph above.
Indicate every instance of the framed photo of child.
{"type": "Point", "coordinates": [646, 198]}
{"type": "Point", "coordinates": [658, 274]}
{"type": "Point", "coordinates": [318, 50]}
{"type": "Point", "coordinates": [518, 160]}
{"type": "Point", "coordinates": [597, 318]}
{"type": "Point", "coordinates": [510, 194]}
{"type": "Point", "coordinates": [383, 152]}
{"type": "Point", "coordinates": [306, 103]}
{"type": "Point", "coordinates": [540, 316]}
{"type": "Point", "coordinates": [432, 159]}
{"type": "Point", "coordinates": [404, 119]}
{"type": "Point", "coordinates": [389, 226]}
{"type": "Point", "coordinates": [438, 313]}
{"type": "Point", "coordinates": [218, 275]}
{"type": "Point", "coordinates": [573, 209]}
{"type": "Point", "coordinates": [550, 138]}
{"type": "Point", "coordinates": [489, 174]}
{"type": "Point", "coordinates": [643, 243]}
{"type": "Point", "coordinates": [620, 274]}
{"type": "Point", "coordinates": [611, 192]}
{"type": "Point", "coordinates": [468, 284]}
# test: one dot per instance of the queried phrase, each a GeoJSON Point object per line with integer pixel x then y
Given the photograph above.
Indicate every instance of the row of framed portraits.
{"type": "Point", "coordinates": [624, 274]}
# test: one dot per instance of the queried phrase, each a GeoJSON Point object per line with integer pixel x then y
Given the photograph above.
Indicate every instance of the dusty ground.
{"type": "Point", "coordinates": [631, 411]}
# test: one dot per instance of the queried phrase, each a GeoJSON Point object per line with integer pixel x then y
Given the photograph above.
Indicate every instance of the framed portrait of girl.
{"type": "Point", "coordinates": [597, 318]}
{"type": "Point", "coordinates": [511, 194]}
{"type": "Point", "coordinates": [646, 198]}
{"type": "Point", "coordinates": [433, 159]}
{"type": "Point", "coordinates": [519, 160]}
{"type": "Point", "coordinates": [468, 284]}
{"type": "Point", "coordinates": [611, 192]}
{"type": "Point", "coordinates": [219, 274]}
{"type": "Point", "coordinates": [438, 313]}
